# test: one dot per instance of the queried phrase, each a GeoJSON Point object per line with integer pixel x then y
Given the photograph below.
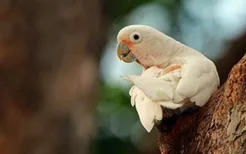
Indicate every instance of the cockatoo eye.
{"type": "Point", "coordinates": [135, 37]}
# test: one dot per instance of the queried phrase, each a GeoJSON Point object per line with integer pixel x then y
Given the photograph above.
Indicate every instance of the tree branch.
{"type": "Point", "coordinates": [218, 127]}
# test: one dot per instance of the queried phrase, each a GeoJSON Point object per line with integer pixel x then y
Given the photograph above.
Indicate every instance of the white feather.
{"type": "Point", "coordinates": [148, 112]}
{"type": "Point", "coordinates": [152, 90]}
{"type": "Point", "coordinates": [170, 105]}
{"type": "Point", "coordinates": [155, 89]}
{"type": "Point", "coordinates": [197, 79]}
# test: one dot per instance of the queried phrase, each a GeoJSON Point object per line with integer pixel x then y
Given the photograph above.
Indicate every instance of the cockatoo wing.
{"type": "Point", "coordinates": [154, 88]}
{"type": "Point", "coordinates": [170, 104]}
{"type": "Point", "coordinates": [133, 95]}
{"type": "Point", "coordinates": [136, 95]}
{"type": "Point", "coordinates": [199, 80]}
{"type": "Point", "coordinates": [148, 111]}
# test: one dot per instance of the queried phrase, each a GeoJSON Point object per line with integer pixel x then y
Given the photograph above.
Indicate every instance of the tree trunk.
{"type": "Point", "coordinates": [219, 127]}
{"type": "Point", "coordinates": [49, 57]}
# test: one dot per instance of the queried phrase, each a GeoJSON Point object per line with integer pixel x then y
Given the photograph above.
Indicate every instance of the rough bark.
{"type": "Point", "coordinates": [219, 127]}
{"type": "Point", "coordinates": [49, 57]}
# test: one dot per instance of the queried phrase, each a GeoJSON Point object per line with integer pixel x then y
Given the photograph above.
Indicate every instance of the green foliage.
{"type": "Point", "coordinates": [112, 98]}
{"type": "Point", "coordinates": [115, 118]}
{"type": "Point", "coordinates": [119, 8]}
{"type": "Point", "coordinates": [116, 9]}
{"type": "Point", "coordinates": [113, 145]}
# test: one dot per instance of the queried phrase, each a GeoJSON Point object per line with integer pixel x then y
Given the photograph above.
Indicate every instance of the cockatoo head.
{"type": "Point", "coordinates": [143, 44]}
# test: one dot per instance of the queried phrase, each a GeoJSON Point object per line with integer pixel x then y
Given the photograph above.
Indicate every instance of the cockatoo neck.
{"type": "Point", "coordinates": [176, 51]}
{"type": "Point", "coordinates": [169, 56]}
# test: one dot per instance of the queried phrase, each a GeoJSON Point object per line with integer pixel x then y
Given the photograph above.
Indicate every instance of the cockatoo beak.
{"type": "Point", "coordinates": [124, 53]}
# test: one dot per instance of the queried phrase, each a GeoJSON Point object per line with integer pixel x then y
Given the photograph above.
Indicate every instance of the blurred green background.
{"type": "Point", "coordinates": [60, 85]}
{"type": "Point", "coordinates": [203, 25]}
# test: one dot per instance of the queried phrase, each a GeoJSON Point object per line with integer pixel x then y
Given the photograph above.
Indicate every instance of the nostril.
{"type": "Point", "coordinates": [124, 55]}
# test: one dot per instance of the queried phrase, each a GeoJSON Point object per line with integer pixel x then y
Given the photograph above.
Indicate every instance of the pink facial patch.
{"type": "Point", "coordinates": [128, 43]}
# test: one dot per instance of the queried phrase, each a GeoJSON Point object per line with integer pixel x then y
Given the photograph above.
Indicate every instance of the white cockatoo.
{"type": "Point", "coordinates": [172, 73]}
